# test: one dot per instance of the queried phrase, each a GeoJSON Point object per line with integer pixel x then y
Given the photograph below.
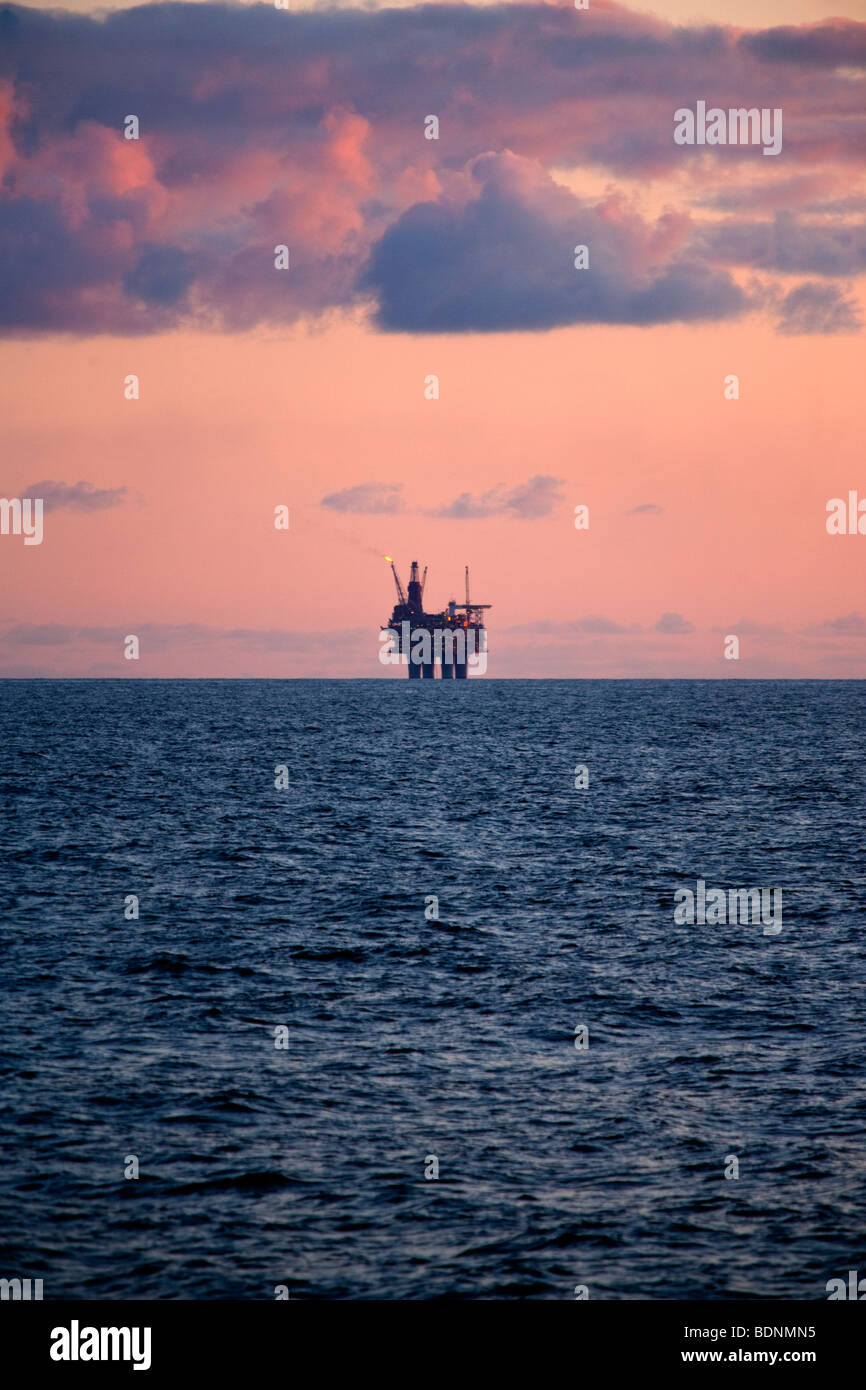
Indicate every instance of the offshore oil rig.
{"type": "Point", "coordinates": [450, 639]}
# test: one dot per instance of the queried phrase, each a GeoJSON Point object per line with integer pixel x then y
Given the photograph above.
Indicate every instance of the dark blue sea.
{"type": "Point", "coordinates": [303, 907]}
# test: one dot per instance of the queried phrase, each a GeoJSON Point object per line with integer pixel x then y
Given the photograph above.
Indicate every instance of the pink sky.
{"type": "Point", "coordinates": [231, 424]}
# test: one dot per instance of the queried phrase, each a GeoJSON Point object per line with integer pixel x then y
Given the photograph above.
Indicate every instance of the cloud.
{"type": "Point", "coordinates": [593, 625]}
{"type": "Point", "coordinates": [164, 636]}
{"type": "Point", "coordinates": [536, 498]}
{"type": "Point", "coordinates": [842, 206]}
{"type": "Point", "coordinates": [367, 498]}
{"type": "Point", "coordinates": [747, 627]}
{"type": "Point", "coordinates": [162, 275]}
{"type": "Point", "coordinates": [76, 497]}
{"type": "Point", "coordinates": [646, 509]}
{"type": "Point", "coordinates": [262, 127]}
{"type": "Point", "coordinates": [503, 259]}
{"type": "Point", "coordinates": [816, 308]}
{"type": "Point", "coordinates": [852, 625]}
{"type": "Point", "coordinates": [674, 624]}
{"type": "Point", "coordinates": [788, 244]}
{"type": "Point", "coordinates": [830, 43]}
{"type": "Point", "coordinates": [768, 194]}
{"type": "Point", "coordinates": [39, 635]}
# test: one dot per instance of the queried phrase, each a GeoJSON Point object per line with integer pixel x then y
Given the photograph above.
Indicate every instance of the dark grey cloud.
{"type": "Point", "coordinates": [788, 244]}
{"type": "Point", "coordinates": [646, 509]}
{"type": "Point", "coordinates": [766, 194]}
{"type": "Point", "coordinates": [841, 207]}
{"type": "Point", "coordinates": [818, 308]}
{"type": "Point", "coordinates": [76, 497]}
{"type": "Point", "coordinates": [367, 498]}
{"type": "Point", "coordinates": [504, 260]}
{"type": "Point", "coordinates": [536, 498]}
{"type": "Point", "coordinates": [39, 635]}
{"type": "Point", "coordinates": [593, 625]}
{"type": "Point", "coordinates": [162, 275]}
{"type": "Point", "coordinates": [604, 626]}
{"type": "Point", "coordinates": [160, 637]}
{"type": "Point", "coordinates": [834, 43]}
{"type": "Point", "coordinates": [748, 627]}
{"type": "Point", "coordinates": [851, 625]}
{"type": "Point", "coordinates": [674, 624]}
{"type": "Point", "coordinates": [287, 640]}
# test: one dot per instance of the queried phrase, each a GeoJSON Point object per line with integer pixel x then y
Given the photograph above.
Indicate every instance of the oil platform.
{"type": "Point", "coordinates": [454, 637]}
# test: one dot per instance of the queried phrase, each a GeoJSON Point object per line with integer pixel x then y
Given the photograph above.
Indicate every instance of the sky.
{"type": "Point", "coordinates": [309, 388]}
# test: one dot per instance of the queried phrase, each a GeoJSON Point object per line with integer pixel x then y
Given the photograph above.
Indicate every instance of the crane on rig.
{"type": "Point", "coordinates": [473, 610]}
{"type": "Point", "coordinates": [412, 598]}
{"type": "Point", "coordinates": [397, 580]}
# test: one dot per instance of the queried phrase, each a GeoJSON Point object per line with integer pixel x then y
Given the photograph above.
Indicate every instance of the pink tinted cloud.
{"type": "Point", "coordinates": [262, 128]}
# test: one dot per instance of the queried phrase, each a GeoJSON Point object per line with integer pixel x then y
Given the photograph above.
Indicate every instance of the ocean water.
{"type": "Point", "coordinates": [304, 907]}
